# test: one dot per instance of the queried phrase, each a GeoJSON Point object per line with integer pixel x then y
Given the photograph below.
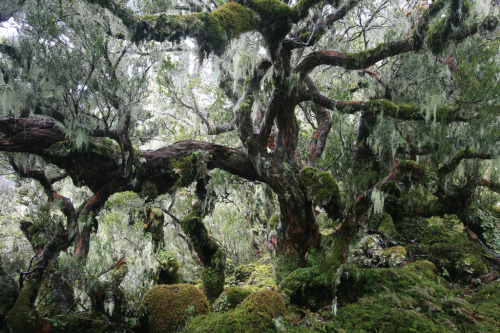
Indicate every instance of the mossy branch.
{"type": "Point", "coordinates": [462, 154]}
{"type": "Point", "coordinates": [444, 114]}
{"type": "Point", "coordinates": [435, 36]}
{"type": "Point", "coordinates": [213, 31]}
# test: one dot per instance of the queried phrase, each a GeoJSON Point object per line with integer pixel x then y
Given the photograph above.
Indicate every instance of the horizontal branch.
{"type": "Point", "coordinates": [444, 114]}
{"type": "Point", "coordinates": [213, 31]}
{"type": "Point", "coordinates": [462, 154]}
{"type": "Point", "coordinates": [98, 163]}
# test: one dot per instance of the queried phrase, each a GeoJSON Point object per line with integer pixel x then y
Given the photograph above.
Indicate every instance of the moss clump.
{"type": "Point", "coordinates": [308, 287]}
{"type": "Point", "coordinates": [255, 314]}
{"type": "Point", "coordinates": [168, 267]}
{"type": "Point", "coordinates": [394, 256]}
{"type": "Point", "coordinates": [273, 221]}
{"type": "Point", "coordinates": [384, 223]}
{"type": "Point", "coordinates": [320, 186]}
{"type": "Point", "coordinates": [168, 306]}
{"type": "Point", "coordinates": [436, 36]}
{"type": "Point", "coordinates": [230, 298]}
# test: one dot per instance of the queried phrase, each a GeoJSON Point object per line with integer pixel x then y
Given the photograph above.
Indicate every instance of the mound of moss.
{"type": "Point", "coordinates": [255, 314]}
{"type": "Point", "coordinates": [168, 306]}
{"type": "Point", "coordinates": [413, 298]}
{"type": "Point", "coordinates": [443, 241]}
{"type": "Point", "coordinates": [230, 298]}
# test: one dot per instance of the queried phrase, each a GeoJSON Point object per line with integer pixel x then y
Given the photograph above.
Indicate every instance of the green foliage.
{"type": "Point", "coordinates": [168, 306]}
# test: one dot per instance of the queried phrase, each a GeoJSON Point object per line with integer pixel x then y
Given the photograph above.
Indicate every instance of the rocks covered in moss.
{"type": "Point", "coordinates": [255, 314]}
{"type": "Point", "coordinates": [412, 298]}
{"type": "Point", "coordinates": [308, 287]}
{"type": "Point", "coordinates": [168, 306]}
{"type": "Point", "coordinates": [443, 241]}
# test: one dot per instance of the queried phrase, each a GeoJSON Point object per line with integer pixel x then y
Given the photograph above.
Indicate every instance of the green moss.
{"type": "Point", "coordinates": [168, 267]}
{"type": "Point", "coordinates": [320, 185]}
{"type": "Point", "coordinates": [243, 272]}
{"type": "Point", "coordinates": [384, 223]}
{"type": "Point", "coordinates": [308, 287]}
{"type": "Point", "coordinates": [168, 306]}
{"type": "Point", "coordinates": [230, 298]}
{"type": "Point", "coordinates": [213, 276]}
{"type": "Point", "coordinates": [436, 37]}
{"type": "Point", "coordinates": [64, 323]}
{"type": "Point", "coordinates": [283, 265]}
{"type": "Point", "coordinates": [273, 221]}
{"type": "Point", "coordinates": [444, 243]}
{"type": "Point", "coordinates": [271, 10]}
{"type": "Point", "coordinates": [255, 314]}
{"type": "Point", "coordinates": [395, 255]}
{"type": "Point", "coordinates": [22, 317]}
{"type": "Point", "coordinates": [410, 299]}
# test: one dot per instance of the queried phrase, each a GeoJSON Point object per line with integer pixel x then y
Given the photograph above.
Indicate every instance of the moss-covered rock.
{"type": "Point", "coordinates": [230, 298]}
{"type": "Point", "coordinates": [255, 314]}
{"type": "Point", "coordinates": [168, 306]}
{"type": "Point", "coordinates": [309, 287]}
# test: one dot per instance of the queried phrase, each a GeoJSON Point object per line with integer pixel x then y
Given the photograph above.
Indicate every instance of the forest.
{"type": "Point", "coordinates": [249, 166]}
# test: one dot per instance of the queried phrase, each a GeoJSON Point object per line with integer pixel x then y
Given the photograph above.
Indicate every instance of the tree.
{"type": "Point", "coordinates": [75, 92]}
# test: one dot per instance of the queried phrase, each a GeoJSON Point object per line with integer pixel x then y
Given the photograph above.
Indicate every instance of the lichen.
{"type": "Point", "coordinates": [168, 306]}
